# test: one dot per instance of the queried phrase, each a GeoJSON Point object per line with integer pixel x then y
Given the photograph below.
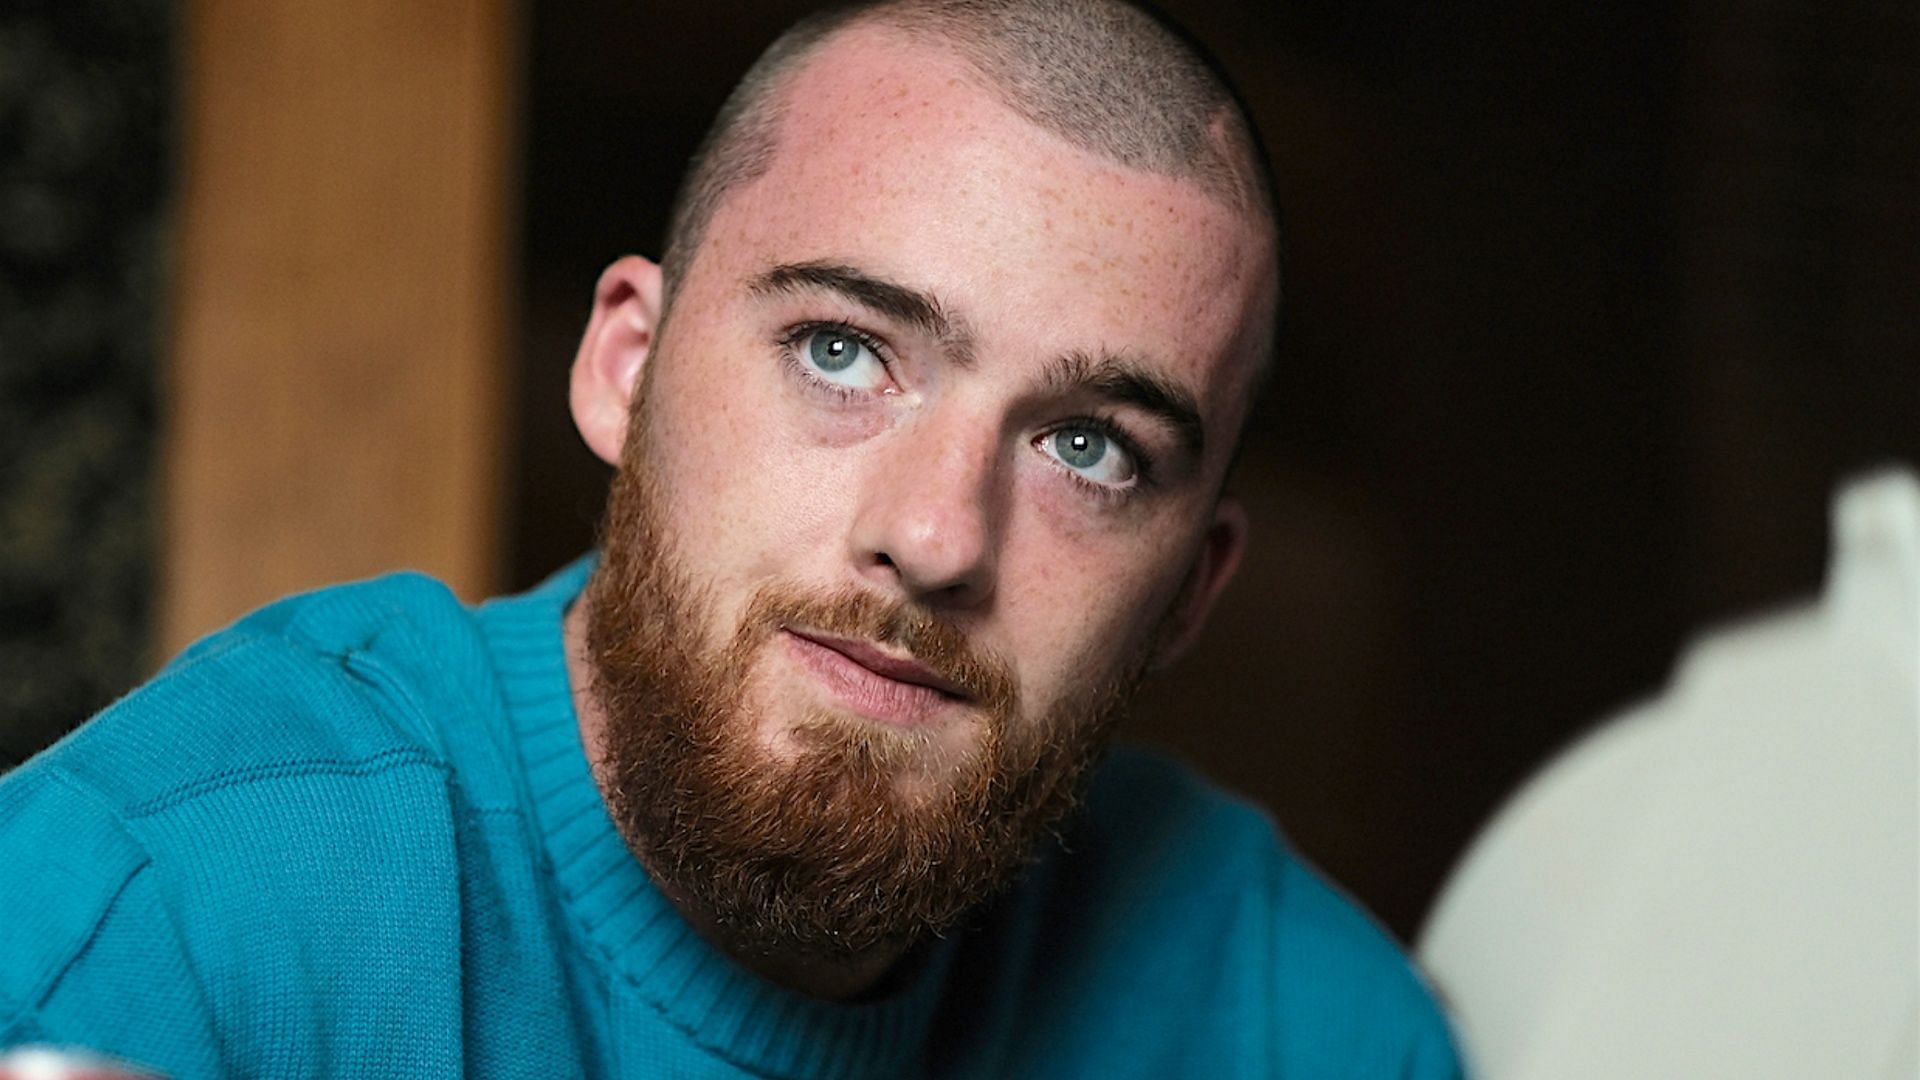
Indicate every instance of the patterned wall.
{"type": "Point", "coordinates": [86, 113]}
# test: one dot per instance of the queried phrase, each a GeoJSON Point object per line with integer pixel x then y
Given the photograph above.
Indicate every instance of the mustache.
{"type": "Point", "coordinates": [932, 640]}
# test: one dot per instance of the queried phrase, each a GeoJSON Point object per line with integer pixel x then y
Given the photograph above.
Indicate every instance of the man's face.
{"type": "Point", "coordinates": [933, 437]}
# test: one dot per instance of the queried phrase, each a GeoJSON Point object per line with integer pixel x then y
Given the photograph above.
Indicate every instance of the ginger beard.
{"type": "Point", "coordinates": [821, 853]}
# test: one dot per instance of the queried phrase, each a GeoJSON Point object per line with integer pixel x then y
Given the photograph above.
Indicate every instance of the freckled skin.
{"type": "Point", "coordinates": [893, 160]}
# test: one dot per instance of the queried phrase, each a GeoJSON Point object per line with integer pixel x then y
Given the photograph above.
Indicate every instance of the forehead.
{"type": "Point", "coordinates": [893, 158]}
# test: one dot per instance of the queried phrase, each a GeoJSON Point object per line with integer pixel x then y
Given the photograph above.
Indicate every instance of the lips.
{"type": "Point", "coordinates": [870, 681]}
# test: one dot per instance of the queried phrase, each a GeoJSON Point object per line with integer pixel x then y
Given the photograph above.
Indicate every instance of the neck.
{"type": "Point", "coordinates": [832, 978]}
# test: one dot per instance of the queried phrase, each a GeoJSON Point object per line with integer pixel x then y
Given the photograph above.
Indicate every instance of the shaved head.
{"type": "Point", "coordinates": [1106, 77]}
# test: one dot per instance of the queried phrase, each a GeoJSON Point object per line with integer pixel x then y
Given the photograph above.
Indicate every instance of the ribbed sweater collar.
{"type": "Point", "coordinates": [634, 933]}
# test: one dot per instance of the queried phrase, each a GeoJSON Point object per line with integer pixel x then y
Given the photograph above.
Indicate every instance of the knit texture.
{"type": "Point", "coordinates": [356, 834]}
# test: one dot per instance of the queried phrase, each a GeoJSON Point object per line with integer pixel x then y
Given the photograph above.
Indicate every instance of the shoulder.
{"type": "Point", "coordinates": [1197, 889]}
{"type": "Point", "coordinates": [343, 677]}
{"type": "Point", "coordinates": [232, 807]}
{"type": "Point", "coordinates": [1156, 827]}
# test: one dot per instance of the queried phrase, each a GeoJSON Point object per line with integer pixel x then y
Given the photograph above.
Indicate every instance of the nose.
{"type": "Point", "coordinates": [927, 521]}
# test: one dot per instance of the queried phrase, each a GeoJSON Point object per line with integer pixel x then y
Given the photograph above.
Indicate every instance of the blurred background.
{"type": "Point", "coordinates": [1590, 306]}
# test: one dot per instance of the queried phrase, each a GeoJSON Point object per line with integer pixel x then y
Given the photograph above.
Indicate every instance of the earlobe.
{"type": "Point", "coordinates": [613, 354]}
{"type": "Point", "coordinates": [1213, 567]}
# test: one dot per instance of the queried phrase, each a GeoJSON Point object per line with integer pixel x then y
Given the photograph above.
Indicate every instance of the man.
{"type": "Point", "coordinates": [921, 431]}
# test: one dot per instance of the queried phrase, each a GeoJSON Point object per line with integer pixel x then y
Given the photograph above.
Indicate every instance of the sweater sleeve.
{"type": "Point", "coordinates": [89, 958]}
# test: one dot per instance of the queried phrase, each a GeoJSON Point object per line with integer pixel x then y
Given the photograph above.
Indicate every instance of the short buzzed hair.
{"type": "Point", "coordinates": [1111, 78]}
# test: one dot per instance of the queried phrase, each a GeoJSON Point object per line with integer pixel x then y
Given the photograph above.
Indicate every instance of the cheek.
{"type": "Point", "coordinates": [759, 492]}
{"type": "Point", "coordinates": [1080, 600]}
{"type": "Point", "coordinates": [718, 466]}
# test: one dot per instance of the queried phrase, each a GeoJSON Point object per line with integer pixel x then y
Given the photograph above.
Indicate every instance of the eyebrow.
{"type": "Point", "coordinates": [1126, 381]}
{"type": "Point", "coordinates": [920, 310]}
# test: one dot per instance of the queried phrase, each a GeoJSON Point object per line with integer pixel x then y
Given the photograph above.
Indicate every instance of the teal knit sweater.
{"type": "Point", "coordinates": [355, 835]}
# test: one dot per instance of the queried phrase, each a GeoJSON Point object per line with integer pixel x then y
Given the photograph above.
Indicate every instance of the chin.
{"type": "Point", "coordinates": [925, 764]}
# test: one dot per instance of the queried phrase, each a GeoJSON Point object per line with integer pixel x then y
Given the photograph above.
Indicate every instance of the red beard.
{"type": "Point", "coordinates": [823, 854]}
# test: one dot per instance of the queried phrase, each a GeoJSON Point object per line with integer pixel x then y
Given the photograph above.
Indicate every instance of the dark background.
{"type": "Point", "coordinates": [1590, 305]}
{"type": "Point", "coordinates": [86, 126]}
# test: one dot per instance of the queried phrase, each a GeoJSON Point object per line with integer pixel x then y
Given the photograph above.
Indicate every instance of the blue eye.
{"type": "Point", "coordinates": [840, 357]}
{"type": "Point", "coordinates": [1080, 449]}
{"type": "Point", "coordinates": [1091, 453]}
{"type": "Point", "coordinates": [833, 352]}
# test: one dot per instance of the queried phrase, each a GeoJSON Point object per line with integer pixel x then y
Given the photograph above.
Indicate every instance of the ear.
{"type": "Point", "coordinates": [1213, 567]}
{"type": "Point", "coordinates": [613, 352]}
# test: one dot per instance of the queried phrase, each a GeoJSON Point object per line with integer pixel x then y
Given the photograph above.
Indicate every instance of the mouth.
{"type": "Point", "coordinates": [873, 682]}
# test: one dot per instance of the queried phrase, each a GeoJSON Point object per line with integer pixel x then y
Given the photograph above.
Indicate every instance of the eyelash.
{"type": "Point", "coordinates": [790, 339]}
